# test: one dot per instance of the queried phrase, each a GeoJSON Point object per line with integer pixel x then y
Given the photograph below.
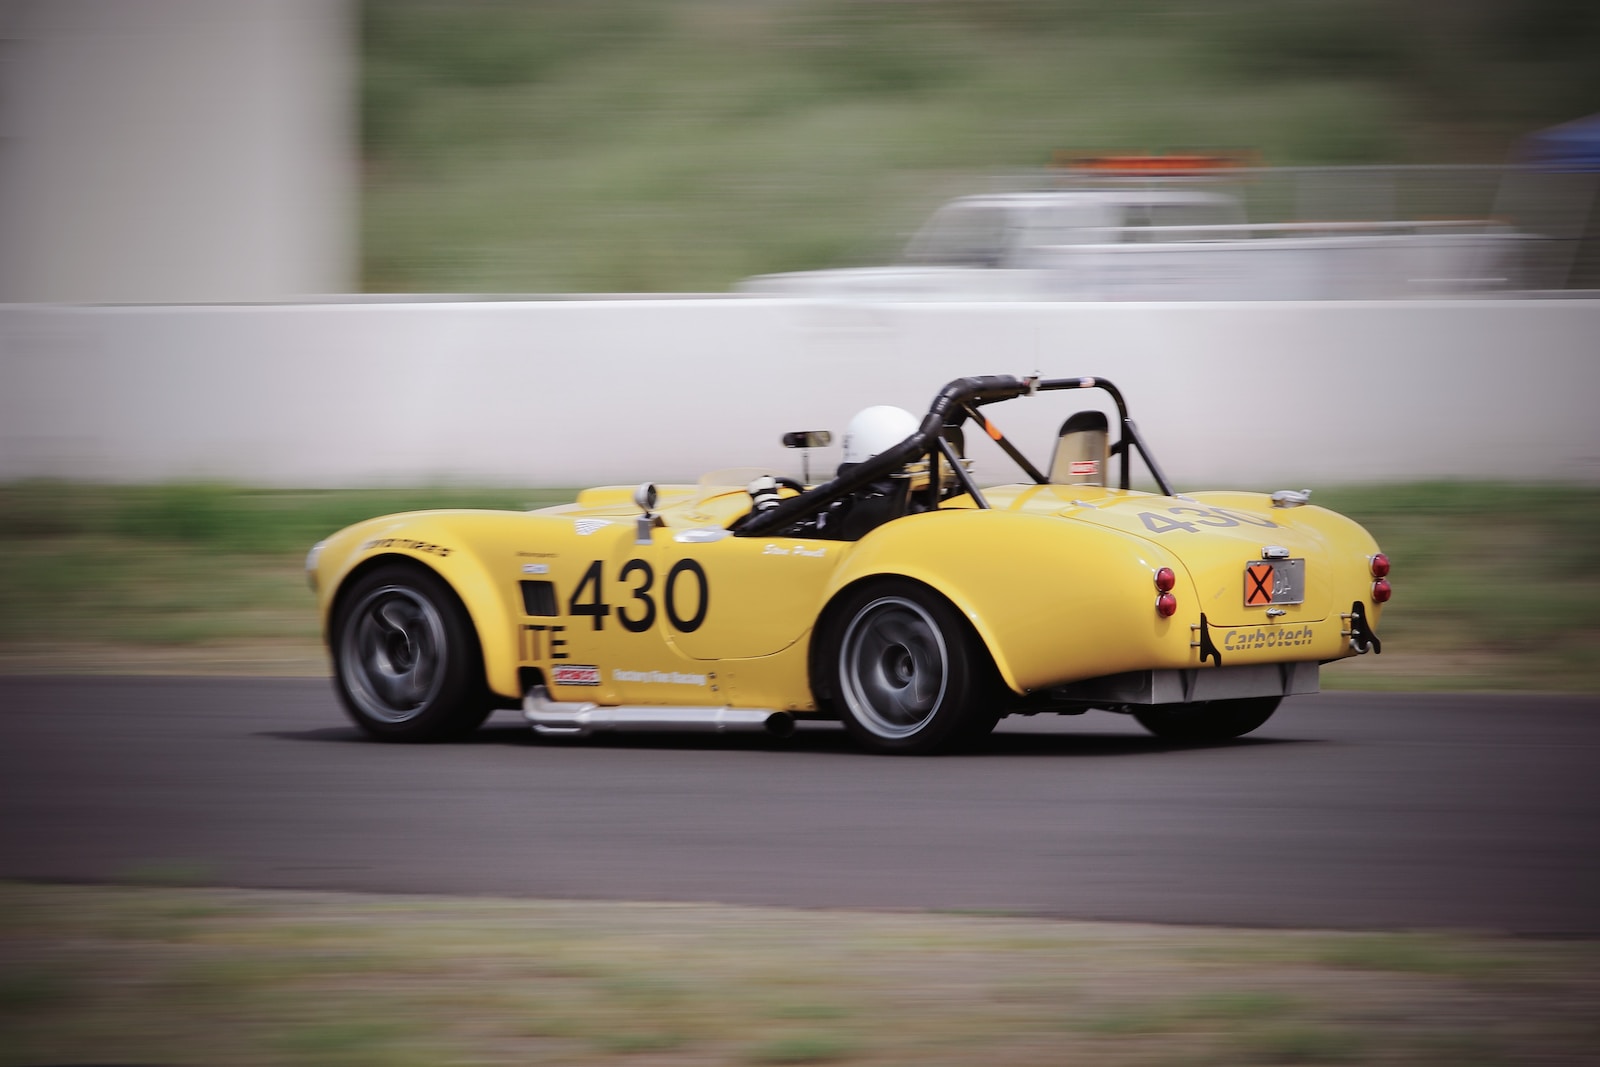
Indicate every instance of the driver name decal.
{"type": "Point", "coordinates": [793, 550]}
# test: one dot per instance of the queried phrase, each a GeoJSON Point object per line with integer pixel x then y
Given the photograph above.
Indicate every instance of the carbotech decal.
{"type": "Point", "coordinates": [403, 542]}
{"type": "Point", "coordinates": [572, 674]}
{"type": "Point", "coordinates": [1260, 637]}
{"type": "Point", "coordinates": [658, 677]}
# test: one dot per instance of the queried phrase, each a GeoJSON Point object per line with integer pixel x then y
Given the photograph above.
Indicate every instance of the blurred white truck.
{"type": "Point", "coordinates": [1140, 243]}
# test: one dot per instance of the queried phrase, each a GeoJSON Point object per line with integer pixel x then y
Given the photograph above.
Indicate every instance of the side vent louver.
{"type": "Point", "coordinates": [539, 598]}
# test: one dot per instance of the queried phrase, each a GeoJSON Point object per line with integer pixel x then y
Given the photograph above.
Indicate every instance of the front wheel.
{"type": "Point", "coordinates": [905, 672]}
{"type": "Point", "coordinates": [1213, 720]}
{"type": "Point", "coordinates": [406, 658]}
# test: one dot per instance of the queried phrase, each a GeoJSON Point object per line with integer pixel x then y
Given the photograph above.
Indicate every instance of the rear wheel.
{"type": "Point", "coordinates": [905, 672]}
{"type": "Point", "coordinates": [1213, 720]}
{"type": "Point", "coordinates": [406, 658]}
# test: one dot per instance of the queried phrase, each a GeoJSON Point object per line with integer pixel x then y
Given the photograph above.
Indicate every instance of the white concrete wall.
{"type": "Point", "coordinates": [177, 150]}
{"type": "Point", "coordinates": [582, 392]}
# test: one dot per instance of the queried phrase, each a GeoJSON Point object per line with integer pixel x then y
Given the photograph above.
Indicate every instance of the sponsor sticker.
{"type": "Point", "coordinates": [1080, 468]}
{"type": "Point", "coordinates": [1262, 638]}
{"type": "Point", "coordinates": [536, 568]}
{"type": "Point", "coordinates": [658, 677]}
{"type": "Point", "coordinates": [574, 674]}
{"type": "Point", "coordinates": [406, 542]}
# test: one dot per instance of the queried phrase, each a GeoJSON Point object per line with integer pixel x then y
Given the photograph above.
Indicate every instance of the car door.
{"type": "Point", "coordinates": [724, 597]}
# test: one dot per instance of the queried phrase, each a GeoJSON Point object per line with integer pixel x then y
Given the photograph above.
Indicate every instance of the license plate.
{"type": "Point", "coordinates": [1274, 581]}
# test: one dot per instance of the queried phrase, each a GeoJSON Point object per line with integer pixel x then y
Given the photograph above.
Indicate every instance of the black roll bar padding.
{"type": "Point", "coordinates": [950, 407]}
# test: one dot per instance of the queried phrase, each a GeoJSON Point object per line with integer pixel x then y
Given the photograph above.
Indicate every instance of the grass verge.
{"type": "Point", "coordinates": [1493, 582]}
{"type": "Point", "coordinates": [214, 976]}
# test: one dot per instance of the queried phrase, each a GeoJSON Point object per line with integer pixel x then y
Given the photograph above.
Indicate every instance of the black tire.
{"type": "Point", "coordinates": [906, 674]}
{"type": "Point", "coordinates": [406, 659]}
{"type": "Point", "coordinates": [1213, 720]}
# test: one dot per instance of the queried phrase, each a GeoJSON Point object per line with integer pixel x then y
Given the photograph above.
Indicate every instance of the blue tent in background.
{"type": "Point", "coordinates": [1570, 146]}
{"type": "Point", "coordinates": [1561, 154]}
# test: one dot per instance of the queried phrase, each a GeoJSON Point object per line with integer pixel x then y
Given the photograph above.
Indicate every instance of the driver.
{"type": "Point", "coordinates": [871, 431]}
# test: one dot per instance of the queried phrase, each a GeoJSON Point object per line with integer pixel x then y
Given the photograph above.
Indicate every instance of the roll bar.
{"type": "Point", "coordinates": [956, 403]}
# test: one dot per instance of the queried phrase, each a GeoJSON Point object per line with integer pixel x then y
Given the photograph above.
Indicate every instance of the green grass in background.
{"type": "Point", "coordinates": [679, 145]}
{"type": "Point", "coordinates": [182, 576]}
{"type": "Point", "coordinates": [1493, 583]}
{"type": "Point", "coordinates": [180, 976]}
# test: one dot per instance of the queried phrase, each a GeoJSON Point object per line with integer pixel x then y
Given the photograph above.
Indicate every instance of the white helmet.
{"type": "Point", "coordinates": [877, 429]}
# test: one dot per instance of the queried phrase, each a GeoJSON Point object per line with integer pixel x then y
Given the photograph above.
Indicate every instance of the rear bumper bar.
{"type": "Point", "coordinates": [1188, 686]}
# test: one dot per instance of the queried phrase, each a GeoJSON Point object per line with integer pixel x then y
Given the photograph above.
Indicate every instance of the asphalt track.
{"type": "Point", "coordinates": [1346, 811]}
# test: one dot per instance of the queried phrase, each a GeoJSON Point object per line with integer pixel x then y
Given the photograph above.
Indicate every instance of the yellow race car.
{"type": "Point", "coordinates": [897, 596]}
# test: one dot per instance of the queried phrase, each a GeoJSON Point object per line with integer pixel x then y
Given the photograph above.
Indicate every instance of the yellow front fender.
{"type": "Point", "coordinates": [437, 540]}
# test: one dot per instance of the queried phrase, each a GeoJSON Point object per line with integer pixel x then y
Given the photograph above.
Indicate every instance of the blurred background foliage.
{"type": "Point", "coordinates": [543, 146]}
{"type": "Point", "coordinates": [1494, 582]}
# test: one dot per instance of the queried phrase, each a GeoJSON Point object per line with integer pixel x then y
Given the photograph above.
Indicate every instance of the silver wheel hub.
{"type": "Point", "coordinates": [393, 654]}
{"type": "Point", "coordinates": [893, 667]}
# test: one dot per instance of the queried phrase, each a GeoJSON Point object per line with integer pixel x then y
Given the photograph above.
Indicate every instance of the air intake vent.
{"type": "Point", "coordinates": [539, 598]}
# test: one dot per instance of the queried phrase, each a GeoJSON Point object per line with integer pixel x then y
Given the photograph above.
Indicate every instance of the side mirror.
{"type": "Point", "coordinates": [645, 498]}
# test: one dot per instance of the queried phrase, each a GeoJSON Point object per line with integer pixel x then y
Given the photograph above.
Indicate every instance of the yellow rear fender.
{"type": "Point", "coordinates": [1051, 601]}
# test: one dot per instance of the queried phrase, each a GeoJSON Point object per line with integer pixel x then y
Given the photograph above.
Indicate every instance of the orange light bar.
{"type": "Point", "coordinates": [1182, 163]}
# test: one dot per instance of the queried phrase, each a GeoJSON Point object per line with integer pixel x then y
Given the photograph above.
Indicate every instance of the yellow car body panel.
{"type": "Point", "coordinates": [1060, 602]}
{"type": "Point", "coordinates": [1055, 580]}
{"type": "Point", "coordinates": [701, 597]}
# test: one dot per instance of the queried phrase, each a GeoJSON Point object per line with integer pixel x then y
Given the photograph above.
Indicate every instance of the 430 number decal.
{"type": "Point", "coordinates": [638, 613]}
{"type": "Point", "coordinates": [1215, 518]}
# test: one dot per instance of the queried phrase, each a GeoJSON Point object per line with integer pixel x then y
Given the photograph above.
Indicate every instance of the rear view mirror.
{"type": "Point", "coordinates": [807, 439]}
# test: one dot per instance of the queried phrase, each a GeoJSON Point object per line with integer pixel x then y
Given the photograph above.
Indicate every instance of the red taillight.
{"type": "Point", "coordinates": [1380, 566]}
{"type": "Point", "coordinates": [1166, 605]}
{"type": "Point", "coordinates": [1165, 580]}
{"type": "Point", "coordinates": [1381, 591]}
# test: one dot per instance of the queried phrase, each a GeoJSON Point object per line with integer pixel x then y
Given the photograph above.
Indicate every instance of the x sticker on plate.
{"type": "Point", "coordinates": [1258, 583]}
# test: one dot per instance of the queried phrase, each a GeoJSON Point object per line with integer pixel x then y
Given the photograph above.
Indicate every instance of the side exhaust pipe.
{"type": "Point", "coordinates": [555, 718]}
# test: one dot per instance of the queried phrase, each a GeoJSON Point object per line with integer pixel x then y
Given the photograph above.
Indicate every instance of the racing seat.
{"type": "Point", "coordinates": [858, 515]}
{"type": "Point", "coordinates": [1082, 450]}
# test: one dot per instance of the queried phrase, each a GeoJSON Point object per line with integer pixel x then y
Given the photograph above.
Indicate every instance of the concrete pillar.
{"type": "Point", "coordinates": [177, 151]}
